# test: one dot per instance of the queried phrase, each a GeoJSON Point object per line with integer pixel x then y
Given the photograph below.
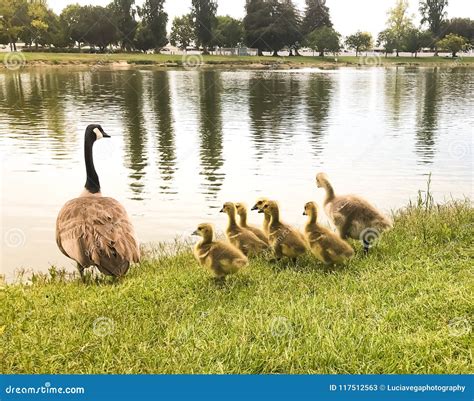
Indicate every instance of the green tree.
{"type": "Point", "coordinates": [290, 21]}
{"type": "Point", "coordinates": [415, 40]}
{"type": "Point", "coordinates": [272, 25]}
{"type": "Point", "coordinates": [152, 30]}
{"type": "Point", "coordinates": [452, 42]}
{"type": "Point", "coordinates": [182, 32]}
{"type": "Point", "coordinates": [256, 22]}
{"type": "Point", "coordinates": [35, 30]}
{"type": "Point", "coordinates": [387, 40]}
{"type": "Point", "coordinates": [144, 39]}
{"type": "Point", "coordinates": [74, 23]}
{"type": "Point", "coordinates": [56, 35]}
{"type": "Point", "coordinates": [204, 17]}
{"type": "Point", "coordinates": [316, 16]}
{"type": "Point", "coordinates": [324, 39]}
{"type": "Point", "coordinates": [284, 27]}
{"type": "Point", "coordinates": [360, 41]}
{"type": "Point", "coordinates": [433, 12]}
{"type": "Point", "coordinates": [12, 15]}
{"type": "Point", "coordinates": [125, 24]}
{"type": "Point", "coordinates": [228, 32]}
{"type": "Point", "coordinates": [399, 23]}
{"type": "Point", "coordinates": [103, 32]}
{"type": "Point", "coordinates": [461, 26]}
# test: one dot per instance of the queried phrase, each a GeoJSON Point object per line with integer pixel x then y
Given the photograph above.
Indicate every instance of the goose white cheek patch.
{"type": "Point", "coordinates": [98, 134]}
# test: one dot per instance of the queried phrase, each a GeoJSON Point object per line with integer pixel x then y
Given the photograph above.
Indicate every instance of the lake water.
{"type": "Point", "coordinates": [183, 142]}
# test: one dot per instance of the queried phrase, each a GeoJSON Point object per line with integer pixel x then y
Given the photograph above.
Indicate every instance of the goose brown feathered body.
{"type": "Point", "coordinates": [95, 230]}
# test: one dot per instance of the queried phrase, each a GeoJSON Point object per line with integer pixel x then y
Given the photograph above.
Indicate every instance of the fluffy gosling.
{"type": "Point", "coordinates": [242, 212]}
{"type": "Point", "coordinates": [221, 258]}
{"type": "Point", "coordinates": [353, 216]}
{"type": "Point", "coordinates": [240, 237]}
{"type": "Point", "coordinates": [284, 239]}
{"type": "Point", "coordinates": [324, 244]}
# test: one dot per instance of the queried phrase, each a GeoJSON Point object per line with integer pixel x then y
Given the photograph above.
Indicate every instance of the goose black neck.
{"type": "Point", "coordinates": [92, 183]}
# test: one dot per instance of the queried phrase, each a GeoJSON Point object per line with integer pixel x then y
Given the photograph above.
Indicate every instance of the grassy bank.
{"type": "Point", "coordinates": [227, 61]}
{"type": "Point", "coordinates": [406, 308]}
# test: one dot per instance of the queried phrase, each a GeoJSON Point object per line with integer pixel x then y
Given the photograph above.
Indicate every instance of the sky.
{"type": "Point", "coordinates": [348, 16]}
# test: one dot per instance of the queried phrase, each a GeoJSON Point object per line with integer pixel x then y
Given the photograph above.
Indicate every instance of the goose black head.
{"type": "Point", "coordinates": [95, 132]}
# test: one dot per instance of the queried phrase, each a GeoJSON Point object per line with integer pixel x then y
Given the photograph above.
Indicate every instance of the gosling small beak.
{"type": "Point", "coordinates": [195, 232]}
{"type": "Point", "coordinates": [260, 211]}
{"type": "Point", "coordinates": [222, 210]}
{"type": "Point", "coordinates": [254, 208]}
{"type": "Point", "coordinates": [304, 213]}
{"type": "Point", "coordinates": [106, 135]}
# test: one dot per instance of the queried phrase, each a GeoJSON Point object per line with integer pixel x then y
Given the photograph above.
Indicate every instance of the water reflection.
{"type": "Point", "coordinates": [268, 94]}
{"type": "Point", "coordinates": [136, 136]}
{"type": "Point", "coordinates": [428, 117]}
{"type": "Point", "coordinates": [165, 132]}
{"type": "Point", "coordinates": [210, 88]}
{"type": "Point", "coordinates": [318, 106]}
{"type": "Point", "coordinates": [226, 135]}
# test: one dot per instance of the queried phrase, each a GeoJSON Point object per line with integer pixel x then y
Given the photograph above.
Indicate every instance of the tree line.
{"type": "Point", "coordinates": [268, 26]}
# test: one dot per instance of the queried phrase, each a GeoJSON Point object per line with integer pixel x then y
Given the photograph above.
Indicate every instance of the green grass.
{"type": "Point", "coordinates": [173, 60]}
{"type": "Point", "coordinates": [406, 308]}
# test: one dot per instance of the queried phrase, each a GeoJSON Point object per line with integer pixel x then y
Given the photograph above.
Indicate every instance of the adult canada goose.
{"type": "Point", "coordinates": [94, 230]}
{"type": "Point", "coordinates": [240, 237]}
{"type": "Point", "coordinates": [221, 258]}
{"type": "Point", "coordinates": [284, 239]}
{"type": "Point", "coordinates": [242, 212]}
{"type": "Point", "coordinates": [353, 216]}
{"type": "Point", "coordinates": [324, 244]}
{"type": "Point", "coordinates": [266, 219]}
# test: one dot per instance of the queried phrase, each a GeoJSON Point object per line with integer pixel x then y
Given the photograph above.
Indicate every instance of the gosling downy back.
{"type": "Point", "coordinates": [351, 214]}
{"type": "Point", "coordinates": [240, 237]}
{"type": "Point", "coordinates": [242, 212]}
{"type": "Point", "coordinates": [326, 245]}
{"type": "Point", "coordinates": [221, 258]}
{"type": "Point", "coordinates": [284, 239]}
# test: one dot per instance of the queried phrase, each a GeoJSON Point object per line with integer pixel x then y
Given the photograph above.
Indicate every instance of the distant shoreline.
{"type": "Point", "coordinates": [18, 60]}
